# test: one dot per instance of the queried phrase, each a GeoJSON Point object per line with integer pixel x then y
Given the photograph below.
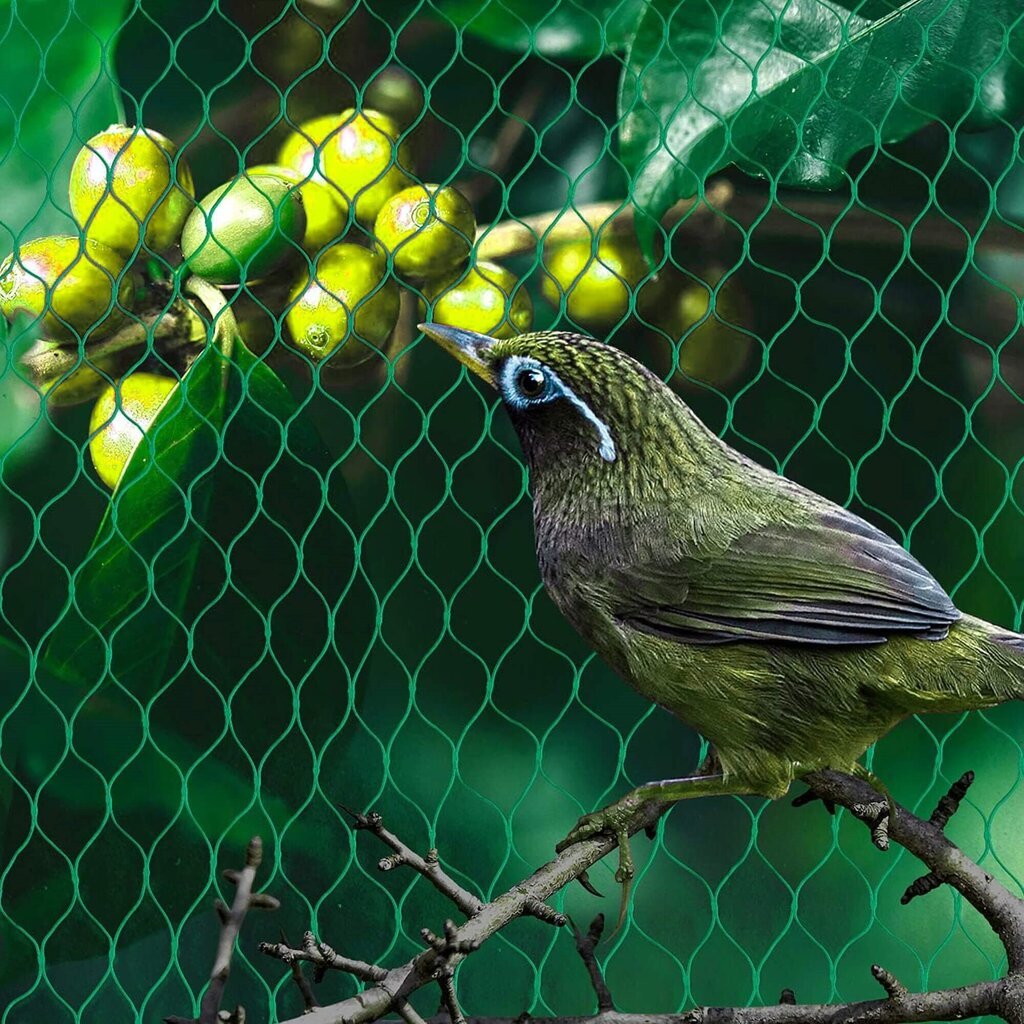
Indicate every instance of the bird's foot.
{"type": "Point", "coordinates": [878, 814]}
{"type": "Point", "coordinates": [613, 820]}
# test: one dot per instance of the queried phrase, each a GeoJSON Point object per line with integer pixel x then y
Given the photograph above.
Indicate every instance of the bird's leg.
{"type": "Point", "coordinates": [615, 819]}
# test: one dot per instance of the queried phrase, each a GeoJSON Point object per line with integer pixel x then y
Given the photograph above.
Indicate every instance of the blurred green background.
{"type": "Point", "coordinates": [365, 623]}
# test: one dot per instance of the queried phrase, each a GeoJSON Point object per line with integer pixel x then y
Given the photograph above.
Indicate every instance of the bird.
{"type": "Point", "coordinates": [790, 632]}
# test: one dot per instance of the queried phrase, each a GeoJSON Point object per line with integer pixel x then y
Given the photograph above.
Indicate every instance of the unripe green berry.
{"type": "Point", "coordinates": [365, 161]}
{"type": "Point", "coordinates": [487, 299]}
{"type": "Point", "coordinates": [325, 207]}
{"type": "Point", "coordinates": [712, 348]}
{"type": "Point", "coordinates": [596, 287]}
{"type": "Point", "coordinates": [396, 93]}
{"type": "Point", "coordinates": [428, 229]}
{"type": "Point", "coordinates": [244, 229]}
{"type": "Point", "coordinates": [68, 286]}
{"type": "Point", "coordinates": [120, 419]}
{"type": "Point", "coordinates": [124, 178]}
{"type": "Point", "coordinates": [302, 150]}
{"type": "Point", "coordinates": [336, 311]}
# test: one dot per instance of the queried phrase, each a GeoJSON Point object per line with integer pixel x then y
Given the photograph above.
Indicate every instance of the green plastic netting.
{"type": "Point", "coordinates": [321, 590]}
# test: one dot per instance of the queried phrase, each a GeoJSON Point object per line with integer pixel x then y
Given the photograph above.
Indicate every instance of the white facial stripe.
{"type": "Point", "coordinates": [559, 389]}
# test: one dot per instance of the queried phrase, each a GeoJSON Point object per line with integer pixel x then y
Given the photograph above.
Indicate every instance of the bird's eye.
{"type": "Point", "coordinates": [530, 382]}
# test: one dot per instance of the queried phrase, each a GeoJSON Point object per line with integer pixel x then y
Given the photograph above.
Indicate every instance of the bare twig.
{"type": "Point", "coordinates": [512, 130]}
{"type": "Point", "coordinates": [923, 838]}
{"type": "Point", "coordinates": [586, 946]}
{"type": "Point", "coordinates": [946, 808]}
{"type": "Point", "coordinates": [47, 362]}
{"type": "Point", "coordinates": [445, 953]}
{"type": "Point", "coordinates": [323, 958]}
{"type": "Point", "coordinates": [525, 234]}
{"type": "Point", "coordinates": [449, 1001]}
{"type": "Point", "coordinates": [429, 867]}
{"type": "Point", "coordinates": [231, 919]}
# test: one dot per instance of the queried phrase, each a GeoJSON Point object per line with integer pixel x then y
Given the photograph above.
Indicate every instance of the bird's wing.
{"type": "Point", "coordinates": [838, 581]}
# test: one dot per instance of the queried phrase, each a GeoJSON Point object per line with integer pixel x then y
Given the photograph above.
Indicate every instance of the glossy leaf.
{"type": "Point", "coordinates": [565, 28]}
{"type": "Point", "coordinates": [790, 90]}
{"type": "Point", "coordinates": [56, 91]}
{"type": "Point", "coordinates": [128, 594]}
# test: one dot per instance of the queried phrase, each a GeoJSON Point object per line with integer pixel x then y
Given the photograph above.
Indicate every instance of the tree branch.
{"type": "Point", "coordinates": [829, 219]}
{"type": "Point", "coordinates": [231, 919]}
{"type": "Point", "coordinates": [922, 838]}
{"type": "Point", "coordinates": [444, 953]}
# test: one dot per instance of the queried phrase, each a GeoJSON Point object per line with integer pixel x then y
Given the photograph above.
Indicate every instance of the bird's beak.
{"type": "Point", "coordinates": [467, 346]}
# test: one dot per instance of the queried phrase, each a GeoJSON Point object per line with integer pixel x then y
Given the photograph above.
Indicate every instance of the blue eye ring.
{"type": "Point", "coordinates": [530, 382]}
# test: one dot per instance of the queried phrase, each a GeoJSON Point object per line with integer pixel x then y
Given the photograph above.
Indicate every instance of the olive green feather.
{"type": "Point", "coordinates": [789, 631]}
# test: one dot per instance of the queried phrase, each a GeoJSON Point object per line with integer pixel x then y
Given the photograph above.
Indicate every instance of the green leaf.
{"type": "Point", "coordinates": [56, 90]}
{"type": "Point", "coordinates": [790, 90]}
{"type": "Point", "coordinates": [128, 594]}
{"type": "Point", "coordinates": [565, 28]}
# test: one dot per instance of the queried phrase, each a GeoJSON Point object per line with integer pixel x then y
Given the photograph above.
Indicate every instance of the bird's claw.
{"type": "Point", "coordinates": [878, 813]}
{"type": "Point", "coordinates": [612, 821]}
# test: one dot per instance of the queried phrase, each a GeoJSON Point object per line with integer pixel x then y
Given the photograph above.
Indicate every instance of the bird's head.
{"type": "Point", "coordinates": [578, 404]}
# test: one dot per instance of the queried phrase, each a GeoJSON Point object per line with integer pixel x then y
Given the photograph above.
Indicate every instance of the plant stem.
{"type": "Point", "coordinates": [222, 317]}
{"type": "Point", "coordinates": [829, 220]}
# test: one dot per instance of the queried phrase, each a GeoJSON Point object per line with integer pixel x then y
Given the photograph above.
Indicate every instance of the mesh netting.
{"type": "Point", "coordinates": [318, 587]}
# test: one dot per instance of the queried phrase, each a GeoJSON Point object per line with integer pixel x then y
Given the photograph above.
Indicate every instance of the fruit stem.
{"type": "Point", "coordinates": [45, 362]}
{"type": "Point", "coordinates": [222, 317]}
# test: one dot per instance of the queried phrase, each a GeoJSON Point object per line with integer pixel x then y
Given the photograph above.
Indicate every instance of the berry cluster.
{"type": "Point", "coordinates": [317, 245]}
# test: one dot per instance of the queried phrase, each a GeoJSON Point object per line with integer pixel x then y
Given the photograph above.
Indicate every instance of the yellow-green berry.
{"type": "Point", "coordinates": [124, 178]}
{"type": "Point", "coordinates": [366, 162]}
{"type": "Point", "coordinates": [346, 308]}
{"type": "Point", "coordinates": [487, 298]}
{"type": "Point", "coordinates": [428, 229]}
{"type": "Point", "coordinates": [596, 286]}
{"type": "Point", "coordinates": [396, 93]}
{"type": "Point", "coordinates": [245, 229]}
{"type": "Point", "coordinates": [122, 415]}
{"type": "Point", "coordinates": [712, 347]}
{"type": "Point", "coordinates": [302, 150]}
{"type": "Point", "coordinates": [326, 210]}
{"type": "Point", "coordinates": [72, 288]}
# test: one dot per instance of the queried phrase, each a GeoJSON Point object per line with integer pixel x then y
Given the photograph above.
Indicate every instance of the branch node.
{"type": "Point", "coordinates": [921, 887]}
{"type": "Point", "coordinates": [278, 950]}
{"type": "Point", "coordinates": [394, 860]}
{"type": "Point", "coordinates": [363, 822]}
{"type": "Point", "coordinates": [539, 909]}
{"type": "Point", "coordinates": [950, 803]}
{"type": "Point", "coordinates": [264, 901]}
{"type": "Point", "coordinates": [586, 946]}
{"type": "Point", "coordinates": [894, 988]}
